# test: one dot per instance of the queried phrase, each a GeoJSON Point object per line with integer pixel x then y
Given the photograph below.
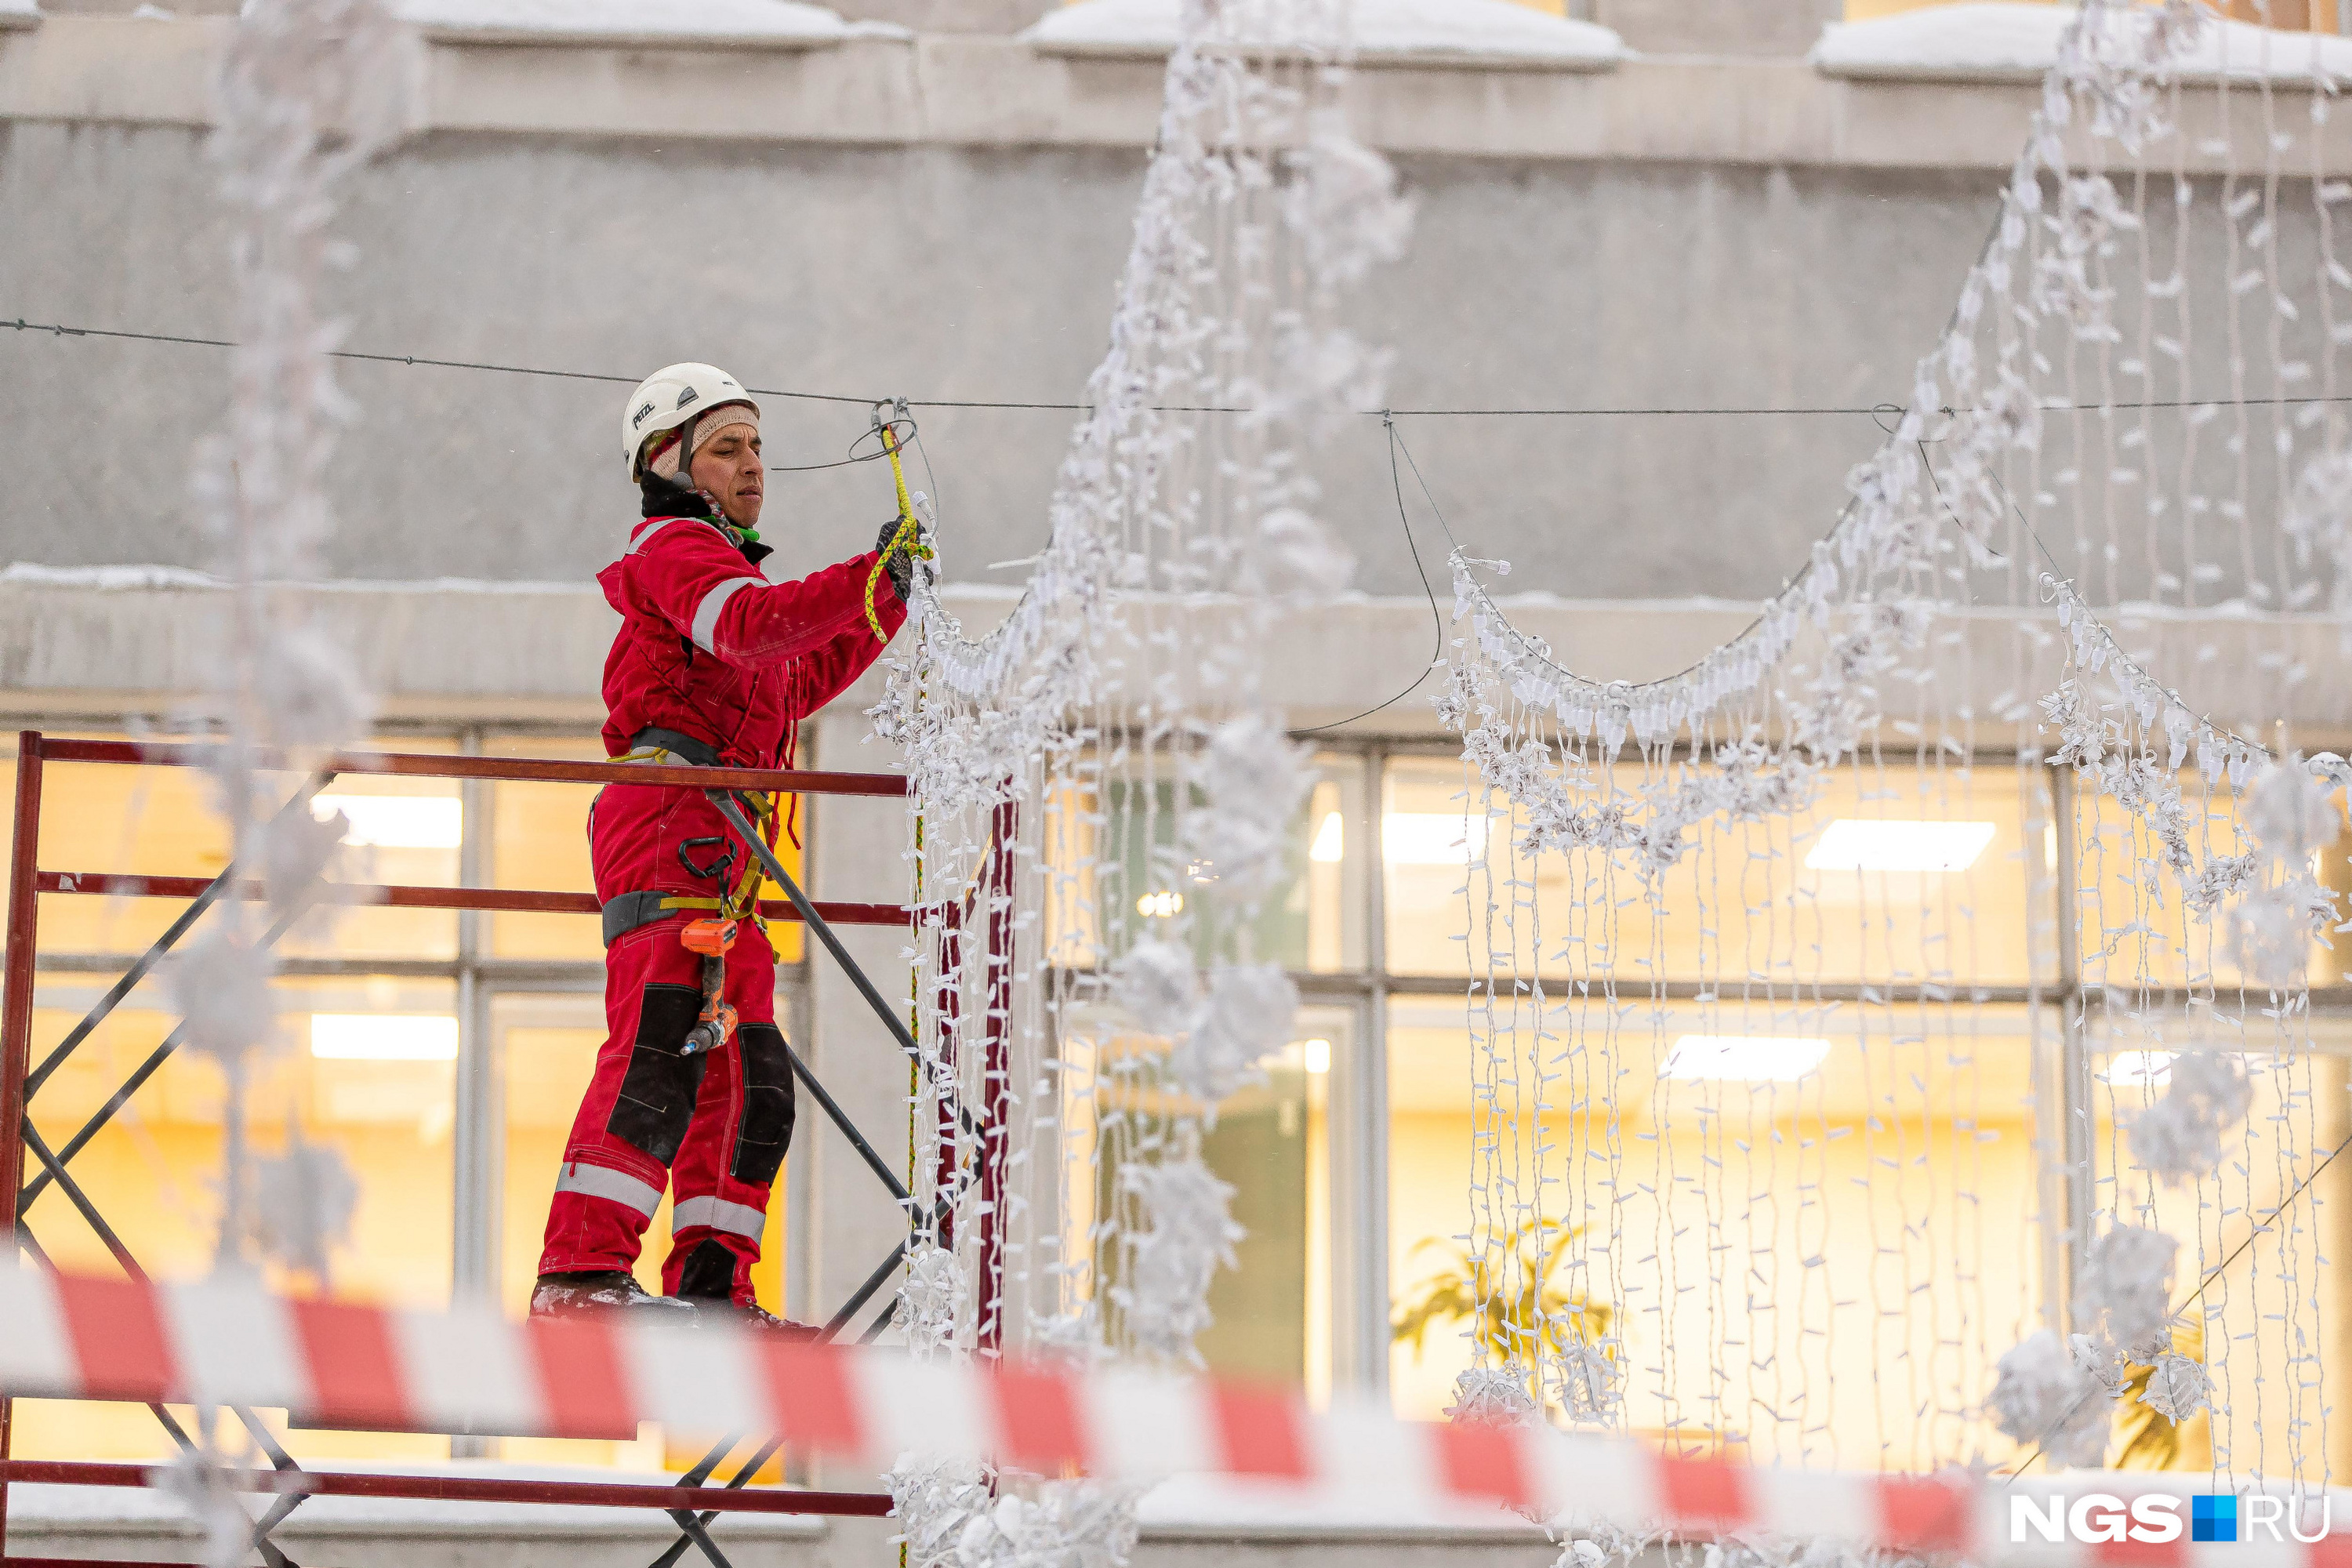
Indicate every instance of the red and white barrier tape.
{"type": "Point", "coordinates": [337, 1364]}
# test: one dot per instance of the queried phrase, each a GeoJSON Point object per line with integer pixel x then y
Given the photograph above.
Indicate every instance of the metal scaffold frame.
{"type": "Point", "coordinates": [689, 1503]}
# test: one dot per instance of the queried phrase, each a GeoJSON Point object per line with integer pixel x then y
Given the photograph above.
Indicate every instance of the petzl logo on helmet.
{"type": "Point", "coordinates": [689, 396]}
{"type": "Point", "coordinates": [639, 417]}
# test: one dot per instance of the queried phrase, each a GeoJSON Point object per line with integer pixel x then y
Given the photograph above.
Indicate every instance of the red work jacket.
{"type": "Point", "coordinates": [711, 649]}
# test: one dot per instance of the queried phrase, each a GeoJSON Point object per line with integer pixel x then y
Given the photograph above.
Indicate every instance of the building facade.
{"type": "Point", "coordinates": [1620, 265]}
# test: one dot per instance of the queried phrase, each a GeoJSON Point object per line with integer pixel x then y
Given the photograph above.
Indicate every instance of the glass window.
{"type": "Point", "coordinates": [365, 1065]}
{"type": "Point", "coordinates": [1894, 873]}
{"type": "Point", "coordinates": [2264, 1244]}
{"type": "Point", "coordinates": [1728, 1175]}
{"type": "Point", "coordinates": [1274, 1315]}
{"type": "Point", "coordinates": [1315, 926]}
{"type": "Point", "coordinates": [1722, 1180]}
{"type": "Point", "coordinates": [2134, 923]}
{"type": "Point", "coordinates": [402, 832]}
{"type": "Point", "coordinates": [161, 821]}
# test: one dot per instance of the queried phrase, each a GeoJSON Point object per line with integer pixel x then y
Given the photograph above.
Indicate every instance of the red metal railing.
{"type": "Point", "coordinates": [473, 1488]}
{"type": "Point", "coordinates": [27, 880]}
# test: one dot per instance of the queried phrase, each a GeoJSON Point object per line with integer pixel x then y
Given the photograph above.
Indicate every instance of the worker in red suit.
{"type": "Point", "coordinates": [714, 665]}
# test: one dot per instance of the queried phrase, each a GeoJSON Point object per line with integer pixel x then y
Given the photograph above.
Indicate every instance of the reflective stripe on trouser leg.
{"type": "Point", "coordinates": [718, 1214]}
{"type": "Point", "coordinates": [600, 1182]}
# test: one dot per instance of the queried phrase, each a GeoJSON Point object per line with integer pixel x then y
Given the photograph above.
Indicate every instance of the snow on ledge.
{"type": "Point", "coordinates": [148, 579]}
{"type": "Point", "coordinates": [2001, 42]}
{"type": "Point", "coordinates": [636, 23]}
{"type": "Point", "coordinates": [16, 15]}
{"type": "Point", "coordinates": [1493, 34]}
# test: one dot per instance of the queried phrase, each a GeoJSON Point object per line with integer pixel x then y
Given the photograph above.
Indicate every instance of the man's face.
{"type": "Point", "coordinates": [729, 470]}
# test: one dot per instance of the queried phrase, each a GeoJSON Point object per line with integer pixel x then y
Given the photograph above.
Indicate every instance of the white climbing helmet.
{"type": "Point", "coordinates": [672, 396]}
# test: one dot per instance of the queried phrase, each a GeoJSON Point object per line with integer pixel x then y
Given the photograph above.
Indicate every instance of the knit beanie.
{"type": "Point", "coordinates": [707, 429]}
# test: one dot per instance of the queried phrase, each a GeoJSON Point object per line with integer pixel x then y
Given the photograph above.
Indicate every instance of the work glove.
{"type": "Point", "coordinates": [898, 562]}
{"type": "Point", "coordinates": [663, 498]}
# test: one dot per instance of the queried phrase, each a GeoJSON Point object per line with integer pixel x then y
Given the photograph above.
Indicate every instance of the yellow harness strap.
{"type": "Point", "coordinates": [743, 903]}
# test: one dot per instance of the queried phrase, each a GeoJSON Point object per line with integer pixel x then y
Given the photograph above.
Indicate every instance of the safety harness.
{"type": "Point", "coordinates": [713, 934]}
{"type": "Point", "coordinates": [625, 913]}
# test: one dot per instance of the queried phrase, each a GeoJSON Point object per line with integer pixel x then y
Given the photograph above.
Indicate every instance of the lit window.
{"type": "Point", "coordinates": [1318, 1054]}
{"type": "Point", "coordinates": [384, 1036]}
{"type": "Point", "coordinates": [397, 821]}
{"type": "Point", "coordinates": [1160, 906]}
{"type": "Point", "coordinates": [1431, 838]}
{"type": "Point", "coordinates": [1747, 1058]}
{"type": "Point", "coordinates": [1330, 841]}
{"type": "Point", "coordinates": [1856, 844]}
{"type": "Point", "coordinates": [2133, 1070]}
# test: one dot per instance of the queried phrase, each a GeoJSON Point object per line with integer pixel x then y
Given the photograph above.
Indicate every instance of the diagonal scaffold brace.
{"type": "Point", "coordinates": [724, 800]}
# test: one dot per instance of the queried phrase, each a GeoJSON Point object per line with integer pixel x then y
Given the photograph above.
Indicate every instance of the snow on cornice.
{"type": "Point", "coordinates": [2004, 42]}
{"type": "Point", "coordinates": [650, 23]}
{"type": "Point", "coordinates": [1492, 34]}
{"type": "Point", "coordinates": [137, 578]}
{"type": "Point", "coordinates": [16, 16]}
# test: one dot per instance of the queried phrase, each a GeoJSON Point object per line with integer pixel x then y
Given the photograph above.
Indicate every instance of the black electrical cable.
{"type": "Point", "coordinates": [855, 456]}
{"type": "Point", "coordinates": [1872, 410]}
{"type": "Point", "coordinates": [56, 329]}
{"type": "Point", "coordinates": [1437, 617]}
{"type": "Point", "coordinates": [62, 331]}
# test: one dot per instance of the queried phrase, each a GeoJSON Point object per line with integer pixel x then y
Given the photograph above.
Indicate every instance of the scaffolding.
{"type": "Point", "coordinates": [690, 1503]}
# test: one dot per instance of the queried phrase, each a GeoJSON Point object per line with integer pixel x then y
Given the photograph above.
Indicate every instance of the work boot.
{"type": "Point", "coordinates": [752, 1314]}
{"type": "Point", "coordinates": [589, 1290]}
{"type": "Point", "coordinates": [707, 1278]}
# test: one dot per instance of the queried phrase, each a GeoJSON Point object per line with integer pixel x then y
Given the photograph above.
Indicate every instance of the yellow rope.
{"type": "Point", "coordinates": [907, 536]}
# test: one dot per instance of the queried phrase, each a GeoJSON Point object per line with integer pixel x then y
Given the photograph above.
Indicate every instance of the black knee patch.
{"type": "Point", "coordinates": [708, 1271]}
{"type": "Point", "coordinates": [769, 1105]}
{"type": "Point", "coordinates": [657, 1099]}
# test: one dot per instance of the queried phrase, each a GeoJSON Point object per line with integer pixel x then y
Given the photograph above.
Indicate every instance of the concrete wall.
{"type": "Point", "coordinates": [1760, 250]}
{"type": "Point", "coordinates": [951, 273]}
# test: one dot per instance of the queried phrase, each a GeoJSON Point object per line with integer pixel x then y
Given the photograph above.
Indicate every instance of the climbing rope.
{"type": "Point", "coordinates": [907, 536]}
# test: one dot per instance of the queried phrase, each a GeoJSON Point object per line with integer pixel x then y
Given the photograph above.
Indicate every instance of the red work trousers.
{"type": "Point", "coordinates": [712, 1127]}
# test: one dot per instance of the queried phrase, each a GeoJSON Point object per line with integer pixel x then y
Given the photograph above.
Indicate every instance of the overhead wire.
{"type": "Point", "coordinates": [880, 452]}
{"type": "Point", "coordinates": [1437, 653]}
{"type": "Point", "coordinates": [65, 330]}
{"type": "Point", "coordinates": [62, 331]}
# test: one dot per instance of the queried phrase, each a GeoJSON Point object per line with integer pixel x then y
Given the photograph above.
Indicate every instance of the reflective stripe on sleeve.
{"type": "Point", "coordinates": [638, 541]}
{"type": "Point", "coordinates": [742, 1219]}
{"type": "Point", "coordinates": [706, 615]}
{"type": "Point", "coordinates": [603, 1182]}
